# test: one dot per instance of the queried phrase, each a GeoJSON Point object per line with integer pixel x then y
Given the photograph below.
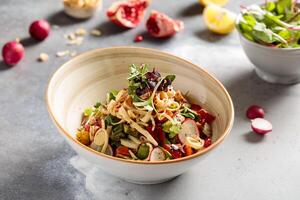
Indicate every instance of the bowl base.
{"type": "Point", "coordinates": [150, 182]}
{"type": "Point", "coordinates": [271, 78]}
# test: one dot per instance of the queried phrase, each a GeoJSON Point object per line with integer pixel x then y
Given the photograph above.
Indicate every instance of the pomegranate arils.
{"type": "Point", "coordinates": [152, 25]}
{"type": "Point", "coordinates": [138, 38]}
{"type": "Point", "coordinates": [127, 14]}
{"type": "Point", "coordinates": [255, 111]}
{"type": "Point", "coordinates": [39, 29]}
{"type": "Point", "coordinates": [12, 52]}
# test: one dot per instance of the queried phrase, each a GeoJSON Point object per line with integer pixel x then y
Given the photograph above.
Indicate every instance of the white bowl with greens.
{"type": "Point", "coordinates": [270, 37]}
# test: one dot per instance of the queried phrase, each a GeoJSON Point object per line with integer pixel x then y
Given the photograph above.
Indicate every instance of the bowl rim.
{"type": "Point", "coordinates": [84, 147]}
{"type": "Point", "coordinates": [258, 44]}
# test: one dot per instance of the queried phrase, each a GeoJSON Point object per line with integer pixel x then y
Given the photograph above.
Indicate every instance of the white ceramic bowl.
{"type": "Point", "coordinates": [82, 13]}
{"type": "Point", "coordinates": [87, 78]}
{"type": "Point", "coordinates": [274, 65]}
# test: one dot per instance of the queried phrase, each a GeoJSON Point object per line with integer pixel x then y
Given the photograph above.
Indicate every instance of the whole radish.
{"type": "Point", "coordinates": [255, 111]}
{"type": "Point", "coordinates": [12, 53]}
{"type": "Point", "coordinates": [39, 29]}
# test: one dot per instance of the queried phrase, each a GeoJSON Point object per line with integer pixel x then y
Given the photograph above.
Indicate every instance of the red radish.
{"type": "Point", "coordinates": [261, 126]}
{"type": "Point", "coordinates": [39, 29]}
{"type": "Point", "coordinates": [160, 25]}
{"type": "Point", "coordinates": [127, 14]}
{"type": "Point", "coordinates": [138, 38]}
{"type": "Point", "coordinates": [157, 154]}
{"type": "Point", "coordinates": [12, 52]}
{"type": "Point", "coordinates": [255, 111]}
{"type": "Point", "coordinates": [188, 129]}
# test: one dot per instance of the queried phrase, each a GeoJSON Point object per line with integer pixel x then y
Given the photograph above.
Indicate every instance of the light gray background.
{"type": "Point", "coordinates": [35, 160]}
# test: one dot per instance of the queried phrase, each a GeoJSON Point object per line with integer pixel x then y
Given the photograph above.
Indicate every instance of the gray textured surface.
{"type": "Point", "coordinates": [35, 161]}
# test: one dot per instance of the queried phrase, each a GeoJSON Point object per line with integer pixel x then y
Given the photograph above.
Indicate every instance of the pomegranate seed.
{"type": "Point", "coordinates": [207, 142]}
{"type": "Point", "coordinates": [138, 38]}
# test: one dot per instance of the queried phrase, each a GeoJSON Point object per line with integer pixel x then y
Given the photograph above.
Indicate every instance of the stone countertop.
{"type": "Point", "coordinates": [36, 162]}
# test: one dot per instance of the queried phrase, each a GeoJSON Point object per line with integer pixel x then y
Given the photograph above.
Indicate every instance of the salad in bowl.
{"type": "Point", "coordinates": [148, 120]}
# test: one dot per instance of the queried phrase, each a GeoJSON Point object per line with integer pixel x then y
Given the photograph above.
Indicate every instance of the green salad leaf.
{"type": "Point", "coordinates": [117, 132]}
{"type": "Point", "coordinates": [276, 23]}
{"type": "Point", "coordinates": [172, 129]}
{"type": "Point", "coordinates": [88, 111]}
{"type": "Point", "coordinates": [111, 120]}
{"type": "Point", "coordinates": [112, 94]}
{"type": "Point", "coordinates": [187, 113]}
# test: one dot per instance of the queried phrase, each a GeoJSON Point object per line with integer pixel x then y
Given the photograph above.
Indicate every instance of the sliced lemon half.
{"type": "Point", "coordinates": [219, 20]}
{"type": "Point", "coordinates": [216, 2]}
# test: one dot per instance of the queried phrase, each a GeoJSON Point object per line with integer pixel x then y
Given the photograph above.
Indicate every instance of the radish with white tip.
{"type": "Point", "coordinates": [261, 126]}
{"type": "Point", "coordinates": [157, 154]}
{"type": "Point", "coordinates": [188, 129]}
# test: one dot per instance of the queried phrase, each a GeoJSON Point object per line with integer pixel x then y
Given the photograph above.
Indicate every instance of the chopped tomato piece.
{"type": "Point", "coordinates": [122, 150]}
{"type": "Point", "coordinates": [196, 107]}
{"type": "Point", "coordinates": [157, 134]}
{"type": "Point", "coordinates": [161, 135]}
{"type": "Point", "coordinates": [207, 142]}
{"type": "Point", "coordinates": [176, 153]}
{"type": "Point", "coordinates": [205, 116]}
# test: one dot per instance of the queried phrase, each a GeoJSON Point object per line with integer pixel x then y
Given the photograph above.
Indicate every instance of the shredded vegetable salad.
{"type": "Point", "coordinates": [149, 120]}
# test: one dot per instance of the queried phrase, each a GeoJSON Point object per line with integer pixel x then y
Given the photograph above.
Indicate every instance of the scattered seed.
{"type": "Point", "coordinates": [80, 32]}
{"type": "Point", "coordinates": [18, 40]}
{"type": "Point", "coordinates": [62, 53]}
{"type": "Point", "coordinates": [138, 38]}
{"type": "Point", "coordinates": [73, 53]}
{"type": "Point", "coordinates": [43, 57]}
{"type": "Point", "coordinates": [54, 26]}
{"type": "Point", "coordinates": [96, 32]}
{"type": "Point", "coordinates": [76, 41]}
{"type": "Point", "coordinates": [71, 36]}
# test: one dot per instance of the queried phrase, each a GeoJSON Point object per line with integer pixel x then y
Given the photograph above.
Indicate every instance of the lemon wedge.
{"type": "Point", "coordinates": [216, 2]}
{"type": "Point", "coordinates": [219, 20]}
